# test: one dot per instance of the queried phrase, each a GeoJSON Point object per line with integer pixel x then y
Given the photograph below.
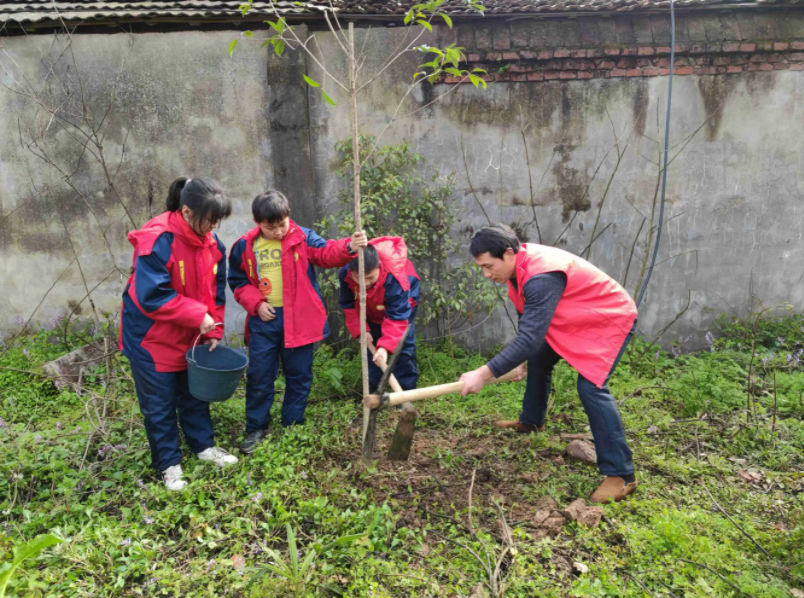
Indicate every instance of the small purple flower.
{"type": "Point", "coordinates": [789, 358]}
{"type": "Point", "coordinates": [142, 485]}
{"type": "Point", "coordinates": [126, 542]}
{"type": "Point", "coordinates": [304, 475]}
{"type": "Point", "coordinates": [764, 361]}
{"type": "Point", "coordinates": [217, 526]}
{"type": "Point", "coordinates": [780, 340]}
{"type": "Point", "coordinates": [38, 439]}
{"type": "Point", "coordinates": [656, 357]}
{"type": "Point", "coordinates": [77, 429]}
{"type": "Point", "coordinates": [148, 520]}
{"type": "Point", "coordinates": [257, 497]}
{"type": "Point", "coordinates": [3, 423]}
{"type": "Point", "coordinates": [26, 353]}
{"type": "Point", "coordinates": [79, 486]}
{"type": "Point", "coordinates": [210, 564]}
{"type": "Point", "coordinates": [58, 425]}
{"type": "Point", "coordinates": [248, 477]}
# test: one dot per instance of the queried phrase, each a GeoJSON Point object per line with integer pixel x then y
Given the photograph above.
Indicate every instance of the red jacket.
{"type": "Point", "coordinates": [303, 306]}
{"type": "Point", "coordinates": [593, 317]}
{"type": "Point", "coordinates": [177, 279]}
{"type": "Point", "coordinates": [391, 302]}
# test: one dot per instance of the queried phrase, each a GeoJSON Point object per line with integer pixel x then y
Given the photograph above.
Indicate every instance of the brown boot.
{"type": "Point", "coordinates": [519, 426]}
{"type": "Point", "coordinates": [613, 489]}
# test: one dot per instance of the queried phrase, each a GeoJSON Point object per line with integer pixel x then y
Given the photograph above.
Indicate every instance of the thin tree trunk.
{"type": "Point", "coordinates": [358, 224]}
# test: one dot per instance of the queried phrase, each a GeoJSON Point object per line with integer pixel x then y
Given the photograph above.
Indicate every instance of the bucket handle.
{"type": "Point", "coordinates": [199, 336]}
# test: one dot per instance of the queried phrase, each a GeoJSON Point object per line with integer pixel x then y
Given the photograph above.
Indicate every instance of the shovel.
{"type": "Point", "coordinates": [403, 435]}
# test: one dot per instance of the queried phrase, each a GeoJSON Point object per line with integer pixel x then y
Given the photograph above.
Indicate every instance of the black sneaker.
{"type": "Point", "coordinates": [252, 440]}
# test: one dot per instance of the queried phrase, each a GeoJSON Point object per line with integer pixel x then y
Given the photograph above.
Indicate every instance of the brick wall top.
{"type": "Point", "coordinates": [628, 31]}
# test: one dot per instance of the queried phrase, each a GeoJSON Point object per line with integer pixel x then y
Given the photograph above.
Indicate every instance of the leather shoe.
{"type": "Point", "coordinates": [613, 489]}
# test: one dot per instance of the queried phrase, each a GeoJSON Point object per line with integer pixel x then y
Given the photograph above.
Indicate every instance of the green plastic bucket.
{"type": "Point", "coordinates": [213, 376]}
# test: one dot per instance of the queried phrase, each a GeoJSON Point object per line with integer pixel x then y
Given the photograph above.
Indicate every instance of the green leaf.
{"type": "Point", "coordinates": [425, 24]}
{"type": "Point", "coordinates": [244, 8]}
{"type": "Point", "coordinates": [446, 18]}
{"type": "Point", "coordinates": [232, 46]}
{"type": "Point", "coordinates": [482, 71]}
{"type": "Point", "coordinates": [310, 82]}
{"type": "Point", "coordinates": [26, 551]}
{"type": "Point", "coordinates": [409, 16]}
{"type": "Point", "coordinates": [248, 34]}
{"type": "Point", "coordinates": [455, 72]}
{"type": "Point", "coordinates": [279, 25]}
{"type": "Point", "coordinates": [294, 555]}
{"type": "Point", "coordinates": [279, 47]}
{"type": "Point", "coordinates": [266, 42]}
{"type": "Point", "coordinates": [327, 99]}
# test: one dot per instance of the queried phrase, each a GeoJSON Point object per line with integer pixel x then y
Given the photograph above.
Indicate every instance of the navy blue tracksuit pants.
{"type": "Point", "coordinates": [266, 347]}
{"type": "Point", "coordinates": [161, 395]}
{"type": "Point", "coordinates": [406, 371]}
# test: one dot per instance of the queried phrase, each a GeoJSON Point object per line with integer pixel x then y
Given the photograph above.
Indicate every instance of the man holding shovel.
{"type": "Point", "coordinates": [568, 309]}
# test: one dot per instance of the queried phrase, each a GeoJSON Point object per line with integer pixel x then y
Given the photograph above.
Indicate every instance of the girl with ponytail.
{"type": "Point", "coordinates": [176, 291]}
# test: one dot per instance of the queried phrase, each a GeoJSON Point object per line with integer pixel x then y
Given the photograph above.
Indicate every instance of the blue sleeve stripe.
{"type": "Point", "coordinates": [152, 280]}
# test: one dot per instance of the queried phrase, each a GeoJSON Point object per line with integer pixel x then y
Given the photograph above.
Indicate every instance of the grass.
{"type": "Point", "coordinates": [406, 529]}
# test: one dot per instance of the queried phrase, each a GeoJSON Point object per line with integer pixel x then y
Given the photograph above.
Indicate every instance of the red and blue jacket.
{"type": "Point", "coordinates": [177, 279]}
{"type": "Point", "coordinates": [304, 313]}
{"type": "Point", "coordinates": [393, 299]}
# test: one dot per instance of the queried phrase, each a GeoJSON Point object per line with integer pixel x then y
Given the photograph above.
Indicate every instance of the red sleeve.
{"type": "Point", "coordinates": [328, 254]}
{"type": "Point", "coordinates": [392, 331]}
{"type": "Point", "coordinates": [250, 298]}
{"type": "Point", "coordinates": [353, 321]}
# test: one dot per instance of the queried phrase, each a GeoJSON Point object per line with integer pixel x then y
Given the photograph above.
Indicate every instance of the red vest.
{"type": "Point", "coordinates": [593, 316]}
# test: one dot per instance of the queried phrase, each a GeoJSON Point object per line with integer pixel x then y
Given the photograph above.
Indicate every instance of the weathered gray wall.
{"type": "Point", "coordinates": [734, 191]}
{"type": "Point", "coordinates": [184, 107]}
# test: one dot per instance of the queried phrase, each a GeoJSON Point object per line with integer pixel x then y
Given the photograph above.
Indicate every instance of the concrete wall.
{"type": "Point", "coordinates": [734, 188]}
{"type": "Point", "coordinates": [180, 107]}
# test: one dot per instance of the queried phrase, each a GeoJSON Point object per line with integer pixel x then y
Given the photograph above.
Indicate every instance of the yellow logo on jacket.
{"type": "Point", "coordinates": [215, 269]}
{"type": "Point", "coordinates": [380, 307]}
{"type": "Point", "coordinates": [295, 257]}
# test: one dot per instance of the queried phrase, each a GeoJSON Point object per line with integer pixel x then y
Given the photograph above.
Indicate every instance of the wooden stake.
{"type": "Point", "coordinates": [403, 435]}
{"type": "Point", "coordinates": [358, 225]}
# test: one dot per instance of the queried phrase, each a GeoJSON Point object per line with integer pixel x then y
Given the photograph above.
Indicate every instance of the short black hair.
{"type": "Point", "coordinates": [494, 240]}
{"type": "Point", "coordinates": [271, 206]}
{"type": "Point", "coordinates": [370, 257]}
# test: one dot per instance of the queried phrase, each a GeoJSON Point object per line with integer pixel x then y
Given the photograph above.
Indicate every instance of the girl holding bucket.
{"type": "Point", "coordinates": [176, 291]}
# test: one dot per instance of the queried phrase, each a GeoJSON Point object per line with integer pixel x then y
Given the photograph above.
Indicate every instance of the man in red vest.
{"type": "Point", "coordinates": [568, 309]}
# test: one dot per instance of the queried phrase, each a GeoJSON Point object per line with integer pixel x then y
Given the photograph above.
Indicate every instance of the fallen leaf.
{"type": "Point", "coordinates": [652, 429]}
{"type": "Point", "coordinates": [238, 562]}
{"type": "Point", "coordinates": [797, 593]}
{"type": "Point", "coordinates": [580, 567]}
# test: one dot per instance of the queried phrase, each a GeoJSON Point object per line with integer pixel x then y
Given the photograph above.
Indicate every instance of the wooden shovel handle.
{"type": "Point", "coordinates": [429, 392]}
{"type": "Point", "coordinates": [392, 381]}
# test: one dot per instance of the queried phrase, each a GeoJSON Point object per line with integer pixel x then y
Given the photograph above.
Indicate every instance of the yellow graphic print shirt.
{"type": "Point", "coordinates": [269, 269]}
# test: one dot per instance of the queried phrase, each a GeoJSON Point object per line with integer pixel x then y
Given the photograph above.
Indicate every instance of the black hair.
{"type": "Point", "coordinates": [271, 207]}
{"type": "Point", "coordinates": [204, 197]}
{"type": "Point", "coordinates": [494, 240]}
{"type": "Point", "coordinates": [370, 257]}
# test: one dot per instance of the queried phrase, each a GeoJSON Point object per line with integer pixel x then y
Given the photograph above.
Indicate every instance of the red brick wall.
{"type": "Point", "coordinates": [599, 47]}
